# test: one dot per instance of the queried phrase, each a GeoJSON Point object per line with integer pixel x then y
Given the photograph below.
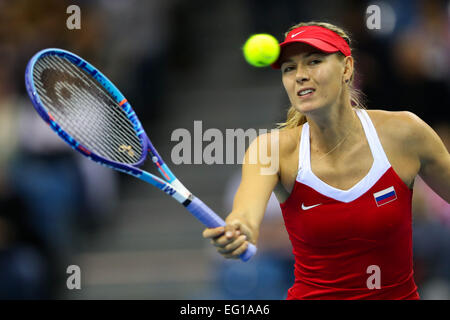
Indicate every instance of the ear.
{"type": "Point", "coordinates": [348, 69]}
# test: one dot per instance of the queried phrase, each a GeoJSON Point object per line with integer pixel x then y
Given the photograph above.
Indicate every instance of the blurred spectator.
{"type": "Point", "coordinates": [24, 261]}
{"type": "Point", "coordinates": [23, 265]}
{"type": "Point", "coordinates": [422, 62]}
{"type": "Point", "coordinates": [45, 196]}
{"type": "Point", "coordinates": [407, 67]}
{"type": "Point", "coordinates": [142, 57]}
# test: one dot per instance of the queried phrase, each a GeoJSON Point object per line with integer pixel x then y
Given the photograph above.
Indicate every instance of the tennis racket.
{"type": "Point", "coordinates": [89, 113]}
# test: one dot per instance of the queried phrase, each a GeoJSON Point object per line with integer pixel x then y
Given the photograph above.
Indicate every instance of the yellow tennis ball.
{"type": "Point", "coordinates": [261, 50]}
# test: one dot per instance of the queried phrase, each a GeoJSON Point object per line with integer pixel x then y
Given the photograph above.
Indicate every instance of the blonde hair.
{"type": "Point", "coordinates": [295, 118]}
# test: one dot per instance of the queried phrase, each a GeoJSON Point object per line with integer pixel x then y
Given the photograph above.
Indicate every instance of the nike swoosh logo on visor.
{"type": "Point", "coordinates": [309, 207]}
{"type": "Point", "coordinates": [296, 34]}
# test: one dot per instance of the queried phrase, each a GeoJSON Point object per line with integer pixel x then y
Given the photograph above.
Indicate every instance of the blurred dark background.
{"type": "Point", "coordinates": [178, 61]}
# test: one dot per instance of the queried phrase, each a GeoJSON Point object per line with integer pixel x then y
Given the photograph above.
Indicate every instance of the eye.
{"type": "Point", "coordinates": [315, 61]}
{"type": "Point", "coordinates": [288, 68]}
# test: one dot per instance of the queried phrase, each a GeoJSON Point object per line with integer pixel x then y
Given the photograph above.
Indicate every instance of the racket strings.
{"type": "Point", "coordinates": [82, 117]}
{"type": "Point", "coordinates": [99, 123]}
{"type": "Point", "coordinates": [86, 111]}
{"type": "Point", "coordinates": [91, 118]}
{"type": "Point", "coordinates": [89, 141]}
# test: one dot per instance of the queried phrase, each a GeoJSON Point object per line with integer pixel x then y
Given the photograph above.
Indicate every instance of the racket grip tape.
{"type": "Point", "coordinates": [211, 220]}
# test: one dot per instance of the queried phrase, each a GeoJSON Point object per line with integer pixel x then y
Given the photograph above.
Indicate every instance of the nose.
{"type": "Point", "coordinates": [301, 75]}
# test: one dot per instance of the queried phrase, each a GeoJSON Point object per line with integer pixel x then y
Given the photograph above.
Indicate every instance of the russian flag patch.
{"type": "Point", "coordinates": [385, 196]}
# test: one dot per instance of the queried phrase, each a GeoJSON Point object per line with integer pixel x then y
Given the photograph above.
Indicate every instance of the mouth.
{"type": "Point", "coordinates": [306, 92]}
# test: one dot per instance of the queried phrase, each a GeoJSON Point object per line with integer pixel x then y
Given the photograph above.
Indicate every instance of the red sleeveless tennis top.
{"type": "Point", "coordinates": [355, 243]}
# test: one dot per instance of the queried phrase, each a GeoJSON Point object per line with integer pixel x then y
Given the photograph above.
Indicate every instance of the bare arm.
{"type": "Point", "coordinates": [259, 177]}
{"type": "Point", "coordinates": [433, 156]}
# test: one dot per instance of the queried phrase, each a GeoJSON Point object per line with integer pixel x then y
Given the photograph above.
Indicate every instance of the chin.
{"type": "Point", "coordinates": [306, 108]}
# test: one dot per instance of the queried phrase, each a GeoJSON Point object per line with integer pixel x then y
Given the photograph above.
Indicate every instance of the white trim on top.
{"type": "Point", "coordinates": [379, 166]}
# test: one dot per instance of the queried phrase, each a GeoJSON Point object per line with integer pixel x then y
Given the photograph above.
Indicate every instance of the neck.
{"type": "Point", "coordinates": [332, 126]}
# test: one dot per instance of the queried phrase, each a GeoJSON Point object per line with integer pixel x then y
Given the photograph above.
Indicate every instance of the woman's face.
{"type": "Point", "coordinates": [312, 79]}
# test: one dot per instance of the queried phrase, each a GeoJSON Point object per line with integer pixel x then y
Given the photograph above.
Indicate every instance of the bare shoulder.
{"type": "Point", "coordinates": [398, 121]}
{"type": "Point", "coordinates": [415, 148]}
{"type": "Point", "coordinates": [289, 140]}
{"type": "Point", "coordinates": [286, 140]}
{"type": "Point", "coordinates": [401, 126]}
{"type": "Point", "coordinates": [409, 134]}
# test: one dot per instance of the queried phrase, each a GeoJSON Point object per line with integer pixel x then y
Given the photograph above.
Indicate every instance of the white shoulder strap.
{"type": "Point", "coordinates": [303, 153]}
{"type": "Point", "coordinates": [372, 137]}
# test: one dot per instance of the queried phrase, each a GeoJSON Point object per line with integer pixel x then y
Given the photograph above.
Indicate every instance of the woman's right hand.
{"type": "Point", "coordinates": [231, 240]}
{"type": "Point", "coordinates": [259, 178]}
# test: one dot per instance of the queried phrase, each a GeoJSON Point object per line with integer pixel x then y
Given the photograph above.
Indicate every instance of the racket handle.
{"type": "Point", "coordinates": [211, 220]}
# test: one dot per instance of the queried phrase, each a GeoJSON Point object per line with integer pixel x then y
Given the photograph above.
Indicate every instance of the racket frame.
{"type": "Point", "coordinates": [171, 185]}
{"type": "Point", "coordinates": [147, 147]}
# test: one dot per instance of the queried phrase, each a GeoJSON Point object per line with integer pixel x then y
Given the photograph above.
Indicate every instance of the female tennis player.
{"type": "Point", "coordinates": [344, 180]}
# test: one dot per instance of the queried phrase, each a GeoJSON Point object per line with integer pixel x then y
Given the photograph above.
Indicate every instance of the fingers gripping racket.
{"type": "Point", "coordinates": [89, 113]}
